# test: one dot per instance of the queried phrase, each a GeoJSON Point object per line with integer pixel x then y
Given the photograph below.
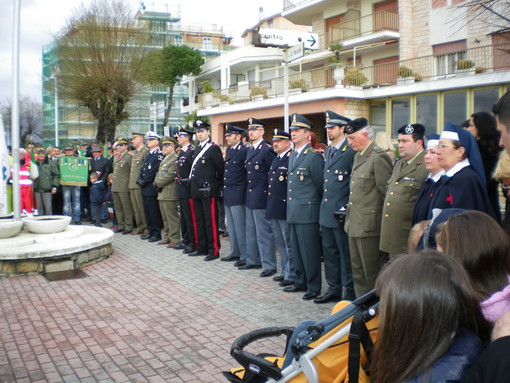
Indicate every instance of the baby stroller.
{"type": "Point", "coordinates": [336, 349]}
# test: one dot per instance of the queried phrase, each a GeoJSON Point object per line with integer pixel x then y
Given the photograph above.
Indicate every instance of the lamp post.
{"type": "Point", "coordinates": [54, 79]}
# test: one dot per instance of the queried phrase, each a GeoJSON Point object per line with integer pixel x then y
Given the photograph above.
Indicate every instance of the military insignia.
{"type": "Point", "coordinates": [327, 117]}
{"type": "Point", "coordinates": [250, 121]}
{"type": "Point", "coordinates": [336, 171]}
{"type": "Point", "coordinates": [294, 120]}
{"type": "Point", "coordinates": [281, 178]}
{"type": "Point", "coordinates": [149, 167]}
{"type": "Point", "coordinates": [340, 177]}
{"type": "Point", "coordinates": [256, 167]}
{"type": "Point", "coordinates": [409, 129]}
{"type": "Point", "coordinates": [301, 177]}
{"type": "Point", "coordinates": [275, 132]}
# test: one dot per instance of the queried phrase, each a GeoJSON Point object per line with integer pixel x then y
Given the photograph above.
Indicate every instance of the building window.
{"type": "Point", "coordinates": [178, 40]}
{"type": "Point", "coordinates": [455, 107]}
{"type": "Point", "coordinates": [378, 115]}
{"type": "Point", "coordinates": [401, 114]}
{"type": "Point", "coordinates": [484, 99]}
{"type": "Point", "coordinates": [445, 64]}
{"type": "Point", "coordinates": [207, 43]}
{"type": "Point", "coordinates": [426, 112]}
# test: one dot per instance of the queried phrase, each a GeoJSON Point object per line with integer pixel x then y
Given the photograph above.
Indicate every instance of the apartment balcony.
{"type": "Point", "coordinates": [395, 76]}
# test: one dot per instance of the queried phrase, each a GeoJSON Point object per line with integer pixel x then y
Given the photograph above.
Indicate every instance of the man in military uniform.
{"type": "Point", "coordinates": [120, 189]}
{"type": "Point", "coordinates": [370, 173]}
{"type": "Point", "coordinates": [206, 178]}
{"type": "Point", "coordinates": [135, 193]}
{"type": "Point", "coordinates": [167, 193]}
{"type": "Point", "coordinates": [276, 211]}
{"type": "Point", "coordinates": [183, 168]}
{"type": "Point", "coordinates": [403, 189]}
{"type": "Point", "coordinates": [234, 193]}
{"type": "Point", "coordinates": [260, 251]}
{"type": "Point", "coordinates": [102, 166]}
{"type": "Point", "coordinates": [149, 193]}
{"type": "Point", "coordinates": [304, 194]}
{"type": "Point", "coordinates": [335, 243]}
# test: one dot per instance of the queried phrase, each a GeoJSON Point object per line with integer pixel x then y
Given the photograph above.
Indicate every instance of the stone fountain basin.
{"type": "Point", "coordinates": [46, 224]}
{"type": "Point", "coordinates": [9, 228]}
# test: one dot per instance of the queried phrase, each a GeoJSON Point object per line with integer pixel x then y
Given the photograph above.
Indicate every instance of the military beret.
{"type": "Point", "coordinates": [232, 129]}
{"type": "Point", "coordinates": [335, 119]}
{"type": "Point", "coordinates": [279, 135]}
{"type": "Point", "coordinates": [297, 121]}
{"type": "Point", "coordinates": [150, 135]}
{"type": "Point", "coordinates": [417, 129]}
{"type": "Point", "coordinates": [201, 125]}
{"type": "Point", "coordinates": [355, 125]}
{"type": "Point", "coordinates": [254, 123]}
{"type": "Point", "coordinates": [168, 140]}
{"type": "Point", "coordinates": [96, 148]}
{"type": "Point", "coordinates": [122, 141]}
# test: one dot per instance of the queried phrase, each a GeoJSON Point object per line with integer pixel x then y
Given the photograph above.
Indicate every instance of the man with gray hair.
{"type": "Point", "coordinates": [370, 173]}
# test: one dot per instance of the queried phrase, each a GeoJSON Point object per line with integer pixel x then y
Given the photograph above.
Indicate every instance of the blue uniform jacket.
{"type": "Point", "coordinates": [182, 169]}
{"type": "Point", "coordinates": [258, 162]}
{"type": "Point", "coordinates": [337, 178]}
{"type": "Point", "coordinates": [277, 188]}
{"type": "Point", "coordinates": [234, 178]}
{"type": "Point", "coordinates": [148, 173]}
{"type": "Point", "coordinates": [98, 192]}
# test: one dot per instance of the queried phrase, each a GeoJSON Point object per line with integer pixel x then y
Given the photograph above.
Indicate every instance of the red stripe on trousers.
{"type": "Point", "coordinates": [194, 221]}
{"type": "Point", "coordinates": [214, 227]}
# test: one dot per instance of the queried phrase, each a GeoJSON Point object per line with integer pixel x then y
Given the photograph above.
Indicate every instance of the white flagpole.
{"type": "Point", "coordinates": [5, 168]}
{"type": "Point", "coordinates": [15, 110]}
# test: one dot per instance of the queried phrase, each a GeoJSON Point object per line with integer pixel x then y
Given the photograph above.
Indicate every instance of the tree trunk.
{"type": "Point", "coordinates": [169, 108]}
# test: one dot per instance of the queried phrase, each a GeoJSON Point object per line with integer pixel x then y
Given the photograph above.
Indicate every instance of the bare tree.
{"type": "Point", "coordinates": [31, 127]}
{"type": "Point", "coordinates": [99, 52]}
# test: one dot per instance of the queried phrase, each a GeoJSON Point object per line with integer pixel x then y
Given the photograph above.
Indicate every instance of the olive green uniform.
{"type": "Point", "coordinates": [120, 191]}
{"type": "Point", "coordinates": [135, 192]}
{"type": "Point", "coordinates": [168, 199]}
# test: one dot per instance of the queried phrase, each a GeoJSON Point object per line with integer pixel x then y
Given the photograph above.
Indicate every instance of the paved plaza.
{"type": "Point", "coordinates": [147, 314]}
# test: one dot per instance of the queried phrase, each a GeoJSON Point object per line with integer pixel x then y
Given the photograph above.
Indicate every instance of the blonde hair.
{"type": "Point", "coordinates": [503, 167]}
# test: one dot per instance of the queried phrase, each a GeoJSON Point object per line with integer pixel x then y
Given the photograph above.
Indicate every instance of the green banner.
{"type": "Point", "coordinates": [74, 171]}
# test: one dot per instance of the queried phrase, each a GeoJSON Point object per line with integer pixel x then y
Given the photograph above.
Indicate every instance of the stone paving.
{"type": "Point", "coordinates": [147, 314]}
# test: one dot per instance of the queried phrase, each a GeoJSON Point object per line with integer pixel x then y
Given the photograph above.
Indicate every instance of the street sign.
{"type": "Point", "coordinates": [282, 38]}
{"type": "Point", "coordinates": [295, 52]}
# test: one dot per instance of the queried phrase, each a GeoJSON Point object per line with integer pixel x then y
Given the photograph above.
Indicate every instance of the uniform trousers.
{"type": "Point", "coordinates": [206, 216]}
{"type": "Point", "coordinates": [259, 240]}
{"type": "Point", "coordinates": [187, 226]}
{"type": "Point", "coordinates": [153, 216]}
{"type": "Point", "coordinates": [366, 263]}
{"type": "Point", "coordinates": [337, 262]}
{"type": "Point", "coordinates": [305, 245]}
{"type": "Point", "coordinates": [281, 233]}
{"type": "Point", "coordinates": [44, 203]}
{"type": "Point", "coordinates": [171, 225]}
{"type": "Point", "coordinates": [236, 222]}
{"type": "Point", "coordinates": [123, 210]}
{"type": "Point", "coordinates": [137, 205]}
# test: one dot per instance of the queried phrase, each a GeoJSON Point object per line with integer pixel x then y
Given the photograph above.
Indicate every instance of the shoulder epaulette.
{"type": "Point", "coordinates": [377, 149]}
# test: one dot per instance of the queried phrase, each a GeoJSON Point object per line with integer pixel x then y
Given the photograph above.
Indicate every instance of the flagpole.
{"type": "Point", "coordinates": [15, 110]}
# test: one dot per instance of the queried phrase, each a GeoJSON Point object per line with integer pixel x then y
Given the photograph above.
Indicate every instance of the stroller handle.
{"type": "Point", "coordinates": [244, 340]}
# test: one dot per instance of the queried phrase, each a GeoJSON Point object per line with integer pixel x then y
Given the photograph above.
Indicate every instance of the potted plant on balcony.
{"type": "Point", "coordinates": [354, 77]}
{"type": "Point", "coordinates": [297, 86]}
{"type": "Point", "coordinates": [225, 100]}
{"type": "Point", "coordinates": [337, 63]}
{"type": "Point", "coordinates": [465, 67]}
{"type": "Point", "coordinates": [207, 89]}
{"type": "Point", "coordinates": [258, 93]}
{"type": "Point", "coordinates": [405, 76]}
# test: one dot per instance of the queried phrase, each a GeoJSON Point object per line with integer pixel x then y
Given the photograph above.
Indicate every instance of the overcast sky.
{"type": "Point", "coordinates": [41, 19]}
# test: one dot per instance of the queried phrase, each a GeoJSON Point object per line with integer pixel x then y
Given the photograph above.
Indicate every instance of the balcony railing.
{"type": "Point", "coordinates": [491, 58]}
{"type": "Point", "coordinates": [375, 22]}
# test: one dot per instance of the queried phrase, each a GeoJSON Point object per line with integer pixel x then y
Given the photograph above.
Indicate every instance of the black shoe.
{"type": "Point", "coordinates": [145, 236]}
{"type": "Point", "coordinates": [327, 298]}
{"type": "Point", "coordinates": [124, 232]}
{"type": "Point", "coordinates": [311, 295]}
{"type": "Point", "coordinates": [104, 221]}
{"type": "Point", "coordinates": [179, 246]}
{"type": "Point", "coordinates": [211, 258]}
{"type": "Point", "coordinates": [196, 254]}
{"type": "Point", "coordinates": [293, 289]}
{"type": "Point", "coordinates": [188, 250]}
{"type": "Point", "coordinates": [239, 263]}
{"type": "Point", "coordinates": [285, 282]}
{"type": "Point", "coordinates": [229, 259]}
{"type": "Point", "coordinates": [154, 239]}
{"type": "Point", "coordinates": [249, 267]}
{"type": "Point", "coordinates": [279, 278]}
{"type": "Point", "coordinates": [117, 230]}
{"type": "Point", "coordinates": [267, 273]}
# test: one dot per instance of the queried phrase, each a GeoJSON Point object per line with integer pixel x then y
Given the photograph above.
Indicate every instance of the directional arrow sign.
{"type": "Point", "coordinates": [281, 38]}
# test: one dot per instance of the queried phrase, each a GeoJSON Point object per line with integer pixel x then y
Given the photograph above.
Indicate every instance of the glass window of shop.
{"type": "Point", "coordinates": [400, 114]}
{"type": "Point", "coordinates": [455, 107]}
{"type": "Point", "coordinates": [426, 112]}
{"type": "Point", "coordinates": [378, 115]}
{"type": "Point", "coordinates": [484, 99]}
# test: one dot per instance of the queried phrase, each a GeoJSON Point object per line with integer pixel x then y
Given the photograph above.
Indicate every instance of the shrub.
{"type": "Point", "coordinates": [479, 69]}
{"type": "Point", "coordinates": [356, 77]}
{"type": "Point", "coordinates": [258, 91]}
{"type": "Point", "coordinates": [206, 86]}
{"type": "Point", "coordinates": [464, 64]}
{"type": "Point", "coordinates": [404, 71]}
{"type": "Point", "coordinates": [298, 84]}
